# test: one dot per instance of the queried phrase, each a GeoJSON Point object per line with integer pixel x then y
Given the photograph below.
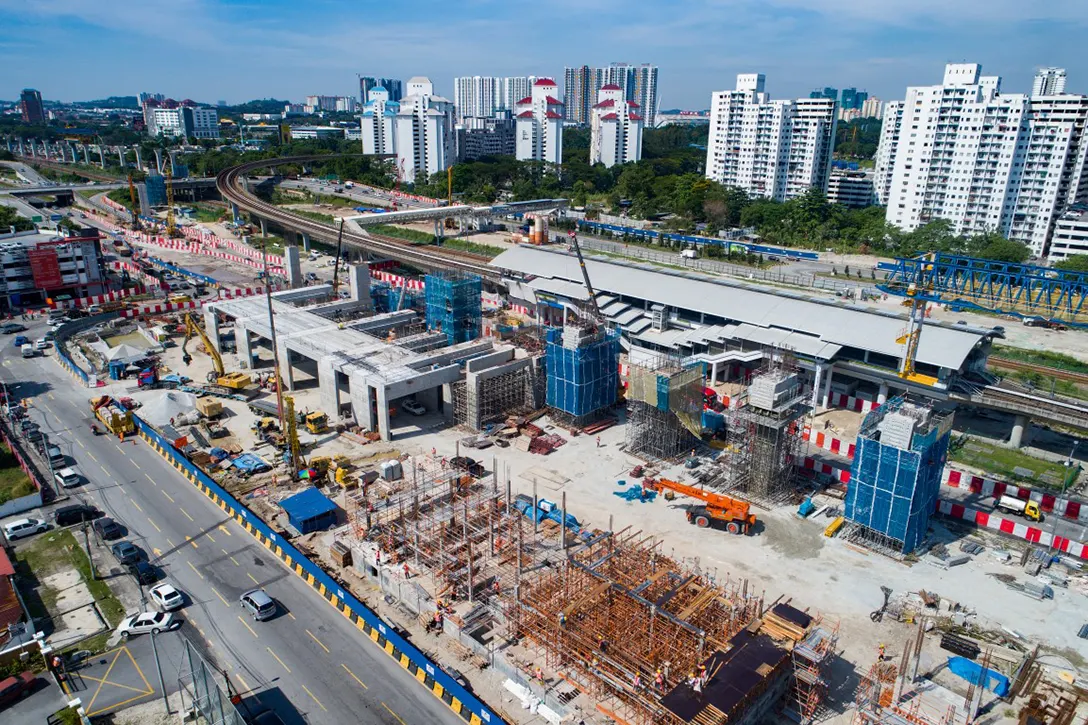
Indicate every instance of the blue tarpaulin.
{"type": "Point", "coordinates": [636, 493]}
{"type": "Point", "coordinates": [973, 673]}
{"type": "Point", "coordinates": [309, 511]}
{"type": "Point", "coordinates": [250, 463]}
{"type": "Point", "coordinates": [713, 421]}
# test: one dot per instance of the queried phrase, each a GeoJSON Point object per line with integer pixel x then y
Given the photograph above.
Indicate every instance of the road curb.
{"type": "Point", "coordinates": [428, 674]}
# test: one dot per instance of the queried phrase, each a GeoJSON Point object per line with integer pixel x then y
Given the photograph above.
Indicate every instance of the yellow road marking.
{"type": "Point", "coordinates": [104, 678]}
{"type": "Point", "coordinates": [245, 685]}
{"type": "Point", "coordinates": [137, 507]}
{"type": "Point", "coordinates": [156, 552]}
{"type": "Point", "coordinates": [354, 677]}
{"type": "Point", "coordinates": [168, 541]}
{"type": "Point", "coordinates": [192, 542]}
{"type": "Point", "coordinates": [154, 524]}
{"type": "Point", "coordinates": [254, 580]}
{"type": "Point", "coordinates": [244, 622]}
{"type": "Point", "coordinates": [220, 596]}
{"type": "Point", "coordinates": [92, 456]}
{"type": "Point", "coordinates": [233, 559]}
{"type": "Point", "coordinates": [209, 537]}
{"type": "Point", "coordinates": [314, 698]}
{"type": "Point", "coordinates": [133, 462]}
{"type": "Point", "coordinates": [104, 469]}
{"type": "Point", "coordinates": [277, 657]}
{"type": "Point", "coordinates": [186, 513]}
{"type": "Point", "coordinates": [224, 529]}
{"type": "Point", "coordinates": [194, 569]}
{"type": "Point", "coordinates": [50, 396]}
{"type": "Point", "coordinates": [149, 478]}
{"type": "Point", "coordinates": [391, 713]}
{"type": "Point", "coordinates": [291, 615]}
{"type": "Point", "coordinates": [81, 444]}
{"type": "Point", "coordinates": [168, 496]}
{"type": "Point", "coordinates": [315, 639]}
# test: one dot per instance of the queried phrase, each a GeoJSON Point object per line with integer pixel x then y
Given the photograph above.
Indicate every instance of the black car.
{"type": "Point", "coordinates": [144, 572]}
{"type": "Point", "coordinates": [75, 514]}
{"type": "Point", "coordinates": [127, 552]}
{"type": "Point", "coordinates": [108, 529]}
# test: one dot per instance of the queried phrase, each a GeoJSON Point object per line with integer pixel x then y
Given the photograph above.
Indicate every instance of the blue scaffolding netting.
{"type": "Point", "coordinates": [582, 379]}
{"type": "Point", "coordinates": [894, 491]}
{"type": "Point", "coordinates": [386, 297]}
{"type": "Point", "coordinates": [453, 306]}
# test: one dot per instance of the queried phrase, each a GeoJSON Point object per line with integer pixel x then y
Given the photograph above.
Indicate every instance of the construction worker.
{"type": "Point", "coordinates": [598, 441]}
{"type": "Point", "coordinates": [666, 669]}
{"type": "Point", "coordinates": [538, 674]}
{"type": "Point", "coordinates": [562, 619]}
{"type": "Point", "coordinates": [407, 573]}
{"type": "Point", "coordinates": [659, 679]}
{"type": "Point", "coordinates": [880, 651]}
{"type": "Point", "coordinates": [636, 681]}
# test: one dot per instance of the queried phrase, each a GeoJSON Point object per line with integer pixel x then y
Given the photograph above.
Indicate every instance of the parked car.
{"type": "Point", "coordinates": [27, 350]}
{"type": "Point", "coordinates": [167, 597]}
{"type": "Point", "coordinates": [144, 572]}
{"type": "Point", "coordinates": [75, 514]}
{"type": "Point", "coordinates": [145, 622]}
{"type": "Point", "coordinates": [24, 527]}
{"type": "Point", "coordinates": [21, 340]}
{"type": "Point", "coordinates": [15, 688]}
{"type": "Point", "coordinates": [127, 552]}
{"type": "Point", "coordinates": [10, 328]}
{"type": "Point", "coordinates": [67, 478]}
{"type": "Point", "coordinates": [55, 455]}
{"type": "Point", "coordinates": [108, 529]}
{"type": "Point", "coordinates": [413, 407]}
{"type": "Point", "coordinates": [42, 344]}
{"type": "Point", "coordinates": [258, 604]}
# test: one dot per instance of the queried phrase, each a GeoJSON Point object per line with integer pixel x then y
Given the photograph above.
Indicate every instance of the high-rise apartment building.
{"type": "Point", "coordinates": [480, 137]}
{"type": "Point", "coordinates": [1048, 82]}
{"type": "Point", "coordinates": [852, 98]}
{"type": "Point", "coordinates": [983, 160]}
{"type": "Point", "coordinates": [30, 101]}
{"type": "Point", "coordinates": [394, 87]}
{"type": "Point", "coordinates": [540, 124]}
{"type": "Point", "coordinates": [828, 92]}
{"type": "Point", "coordinates": [334, 104]}
{"type": "Point", "coordinates": [378, 123]}
{"type": "Point", "coordinates": [773, 149]}
{"type": "Point", "coordinates": [872, 108]}
{"type": "Point", "coordinates": [580, 87]}
{"type": "Point", "coordinates": [616, 129]}
{"type": "Point", "coordinates": [482, 96]}
{"type": "Point", "coordinates": [185, 119]}
{"type": "Point", "coordinates": [144, 97]}
{"type": "Point", "coordinates": [425, 137]}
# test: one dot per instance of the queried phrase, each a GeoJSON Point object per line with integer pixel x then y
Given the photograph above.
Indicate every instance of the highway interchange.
{"type": "Point", "coordinates": [316, 657]}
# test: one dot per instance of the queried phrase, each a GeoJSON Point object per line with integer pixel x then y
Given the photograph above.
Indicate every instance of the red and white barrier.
{"type": "Point", "coordinates": [828, 443]}
{"type": "Point", "coordinates": [850, 402]}
{"type": "Point", "coordinates": [198, 248]}
{"type": "Point", "coordinates": [234, 294]}
{"type": "Point", "coordinates": [136, 272]}
{"type": "Point", "coordinates": [521, 309]}
{"type": "Point", "coordinates": [989, 487]}
{"type": "Point", "coordinates": [1006, 526]}
{"type": "Point", "coordinates": [842, 475]}
{"type": "Point", "coordinates": [397, 280]}
{"type": "Point", "coordinates": [160, 308]}
{"type": "Point", "coordinates": [98, 299]}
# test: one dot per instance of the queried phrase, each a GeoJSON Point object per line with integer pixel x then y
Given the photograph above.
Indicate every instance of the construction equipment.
{"type": "Point", "coordinates": [1028, 509]}
{"type": "Point", "coordinates": [294, 448]}
{"type": "Point", "coordinates": [218, 376]}
{"type": "Point", "coordinates": [317, 422]}
{"type": "Point", "coordinates": [336, 264]}
{"type": "Point", "coordinates": [118, 422]}
{"type": "Point", "coordinates": [171, 220]}
{"type": "Point", "coordinates": [135, 205]}
{"type": "Point", "coordinates": [732, 513]}
{"type": "Point", "coordinates": [573, 236]}
{"type": "Point", "coordinates": [912, 336]}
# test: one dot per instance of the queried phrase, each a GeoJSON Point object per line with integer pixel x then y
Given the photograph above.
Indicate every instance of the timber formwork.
{"type": "Point", "coordinates": [617, 610]}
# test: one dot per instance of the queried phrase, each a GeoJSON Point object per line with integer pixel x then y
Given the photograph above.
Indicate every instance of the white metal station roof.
{"type": "Point", "coordinates": [819, 321]}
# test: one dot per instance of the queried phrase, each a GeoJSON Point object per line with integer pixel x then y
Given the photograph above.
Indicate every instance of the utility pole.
{"type": "Point", "coordinates": [272, 327]}
{"type": "Point", "coordinates": [87, 548]}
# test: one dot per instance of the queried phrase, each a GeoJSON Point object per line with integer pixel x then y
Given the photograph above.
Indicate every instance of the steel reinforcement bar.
{"type": "Point", "coordinates": [431, 258]}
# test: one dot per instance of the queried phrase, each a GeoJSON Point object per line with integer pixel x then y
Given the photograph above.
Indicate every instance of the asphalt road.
{"type": "Point", "coordinates": [310, 652]}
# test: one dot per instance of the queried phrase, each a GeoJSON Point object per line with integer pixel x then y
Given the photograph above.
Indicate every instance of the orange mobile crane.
{"type": "Point", "coordinates": [732, 513]}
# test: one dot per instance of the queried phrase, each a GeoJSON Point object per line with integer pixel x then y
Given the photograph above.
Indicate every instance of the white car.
{"type": "Point", "coordinates": [42, 344]}
{"type": "Point", "coordinates": [413, 407]}
{"type": "Point", "coordinates": [24, 527]}
{"type": "Point", "coordinates": [167, 597]}
{"type": "Point", "coordinates": [66, 478]}
{"type": "Point", "coordinates": [145, 622]}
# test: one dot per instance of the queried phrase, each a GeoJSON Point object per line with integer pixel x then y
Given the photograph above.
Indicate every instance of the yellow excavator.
{"type": "Point", "coordinates": [232, 381]}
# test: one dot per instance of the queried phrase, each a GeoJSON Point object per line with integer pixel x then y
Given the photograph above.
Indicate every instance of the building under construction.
{"type": "Point", "coordinates": [664, 407]}
{"type": "Point", "coordinates": [582, 370]}
{"type": "Point", "coordinates": [453, 305]}
{"type": "Point", "coordinates": [762, 445]}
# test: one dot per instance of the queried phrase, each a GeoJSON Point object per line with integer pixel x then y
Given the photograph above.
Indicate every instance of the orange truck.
{"type": "Point", "coordinates": [729, 513]}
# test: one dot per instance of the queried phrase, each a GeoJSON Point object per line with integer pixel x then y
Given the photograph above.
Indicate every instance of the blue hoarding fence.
{"type": "Point", "coordinates": [469, 707]}
{"type": "Point", "coordinates": [659, 237]}
{"type": "Point", "coordinates": [210, 281]}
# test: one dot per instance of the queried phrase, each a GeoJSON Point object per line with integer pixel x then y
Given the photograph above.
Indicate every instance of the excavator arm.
{"type": "Point", "coordinates": [192, 328]}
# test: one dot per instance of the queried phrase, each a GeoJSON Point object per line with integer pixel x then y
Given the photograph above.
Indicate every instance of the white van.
{"type": "Point", "coordinates": [28, 350]}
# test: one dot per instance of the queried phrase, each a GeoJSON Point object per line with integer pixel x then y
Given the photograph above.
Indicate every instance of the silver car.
{"type": "Point", "coordinates": [258, 604]}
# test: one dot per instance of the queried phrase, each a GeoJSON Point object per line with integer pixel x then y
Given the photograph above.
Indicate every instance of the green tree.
{"type": "Point", "coordinates": [1074, 263]}
{"type": "Point", "coordinates": [1005, 250]}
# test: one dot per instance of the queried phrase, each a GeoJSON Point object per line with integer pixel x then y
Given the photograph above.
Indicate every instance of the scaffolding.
{"type": "Point", "coordinates": [811, 657]}
{"type": "Point", "coordinates": [664, 407]}
{"type": "Point", "coordinates": [453, 305]}
{"type": "Point", "coordinates": [478, 402]}
{"type": "Point", "coordinates": [582, 371]}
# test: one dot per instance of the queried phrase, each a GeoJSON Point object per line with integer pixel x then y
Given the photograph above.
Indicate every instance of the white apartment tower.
{"type": "Point", "coordinates": [1048, 82]}
{"type": "Point", "coordinates": [482, 96]}
{"type": "Point", "coordinates": [773, 149]}
{"type": "Point", "coordinates": [983, 160]}
{"type": "Point", "coordinates": [616, 128]}
{"type": "Point", "coordinates": [378, 123]}
{"type": "Point", "coordinates": [425, 138]}
{"type": "Point", "coordinates": [539, 124]}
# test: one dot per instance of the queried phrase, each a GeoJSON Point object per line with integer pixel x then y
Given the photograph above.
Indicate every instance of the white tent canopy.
{"type": "Point", "coordinates": [125, 353]}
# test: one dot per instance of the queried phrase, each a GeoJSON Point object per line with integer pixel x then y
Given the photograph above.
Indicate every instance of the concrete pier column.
{"type": "Point", "coordinates": [139, 161]}
{"type": "Point", "coordinates": [1020, 426]}
{"type": "Point", "coordinates": [293, 264]}
{"type": "Point", "coordinates": [383, 414]}
{"type": "Point", "coordinates": [329, 391]}
{"type": "Point", "coordinates": [882, 394]}
{"type": "Point", "coordinates": [359, 283]}
{"type": "Point", "coordinates": [825, 396]}
{"type": "Point", "coordinates": [713, 373]}
{"type": "Point", "coordinates": [817, 383]}
{"type": "Point", "coordinates": [211, 328]}
{"type": "Point", "coordinates": [33, 149]}
{"type": "Point", "coordinates": [101, 158]}
{"type": "Point", "coordinates": [245, 352]}
{"type": "Point", "coordinates": [158, 160]}
{"type": "Point", "coordinates": [120, 156]}
{"type": "Point", "coordinates": [173, 161]}
{"type": "Point", "coordinates": [305, 241]}
{"type": "Point", "coordinates": [87, 154]}
{"type": "Point", "coordinates": [22, 148]}
{"type": "Point", "coordinates": [287, 370]}
{"type": "Point", "coordinates": [264, 232]}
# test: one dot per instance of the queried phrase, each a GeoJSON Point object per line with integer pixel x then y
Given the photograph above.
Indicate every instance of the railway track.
{"type": "Point", "coordinates": [1016, 365]}
{"type": "Point", "coordinates": [229, 184]}
{"type": "Point", "coordinates": [68, 168]}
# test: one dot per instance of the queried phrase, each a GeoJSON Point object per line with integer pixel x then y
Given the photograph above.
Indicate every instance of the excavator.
{"type": "Point", "coordinates": [733, 514]}
{"type": "Point", "coordinates": [233, 382]}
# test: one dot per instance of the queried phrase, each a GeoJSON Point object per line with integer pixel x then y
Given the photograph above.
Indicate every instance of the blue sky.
{"type": "Point", "coordinates": [241, 49]}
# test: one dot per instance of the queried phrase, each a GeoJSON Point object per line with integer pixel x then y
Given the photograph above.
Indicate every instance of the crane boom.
{"type": "Point", "coordinates": [585, 274]}
{"type": "Point", "coordinates": [732, 512]}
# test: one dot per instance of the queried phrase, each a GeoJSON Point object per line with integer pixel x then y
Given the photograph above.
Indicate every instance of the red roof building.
{"type": "Point", "coordinates": [544, 82]}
